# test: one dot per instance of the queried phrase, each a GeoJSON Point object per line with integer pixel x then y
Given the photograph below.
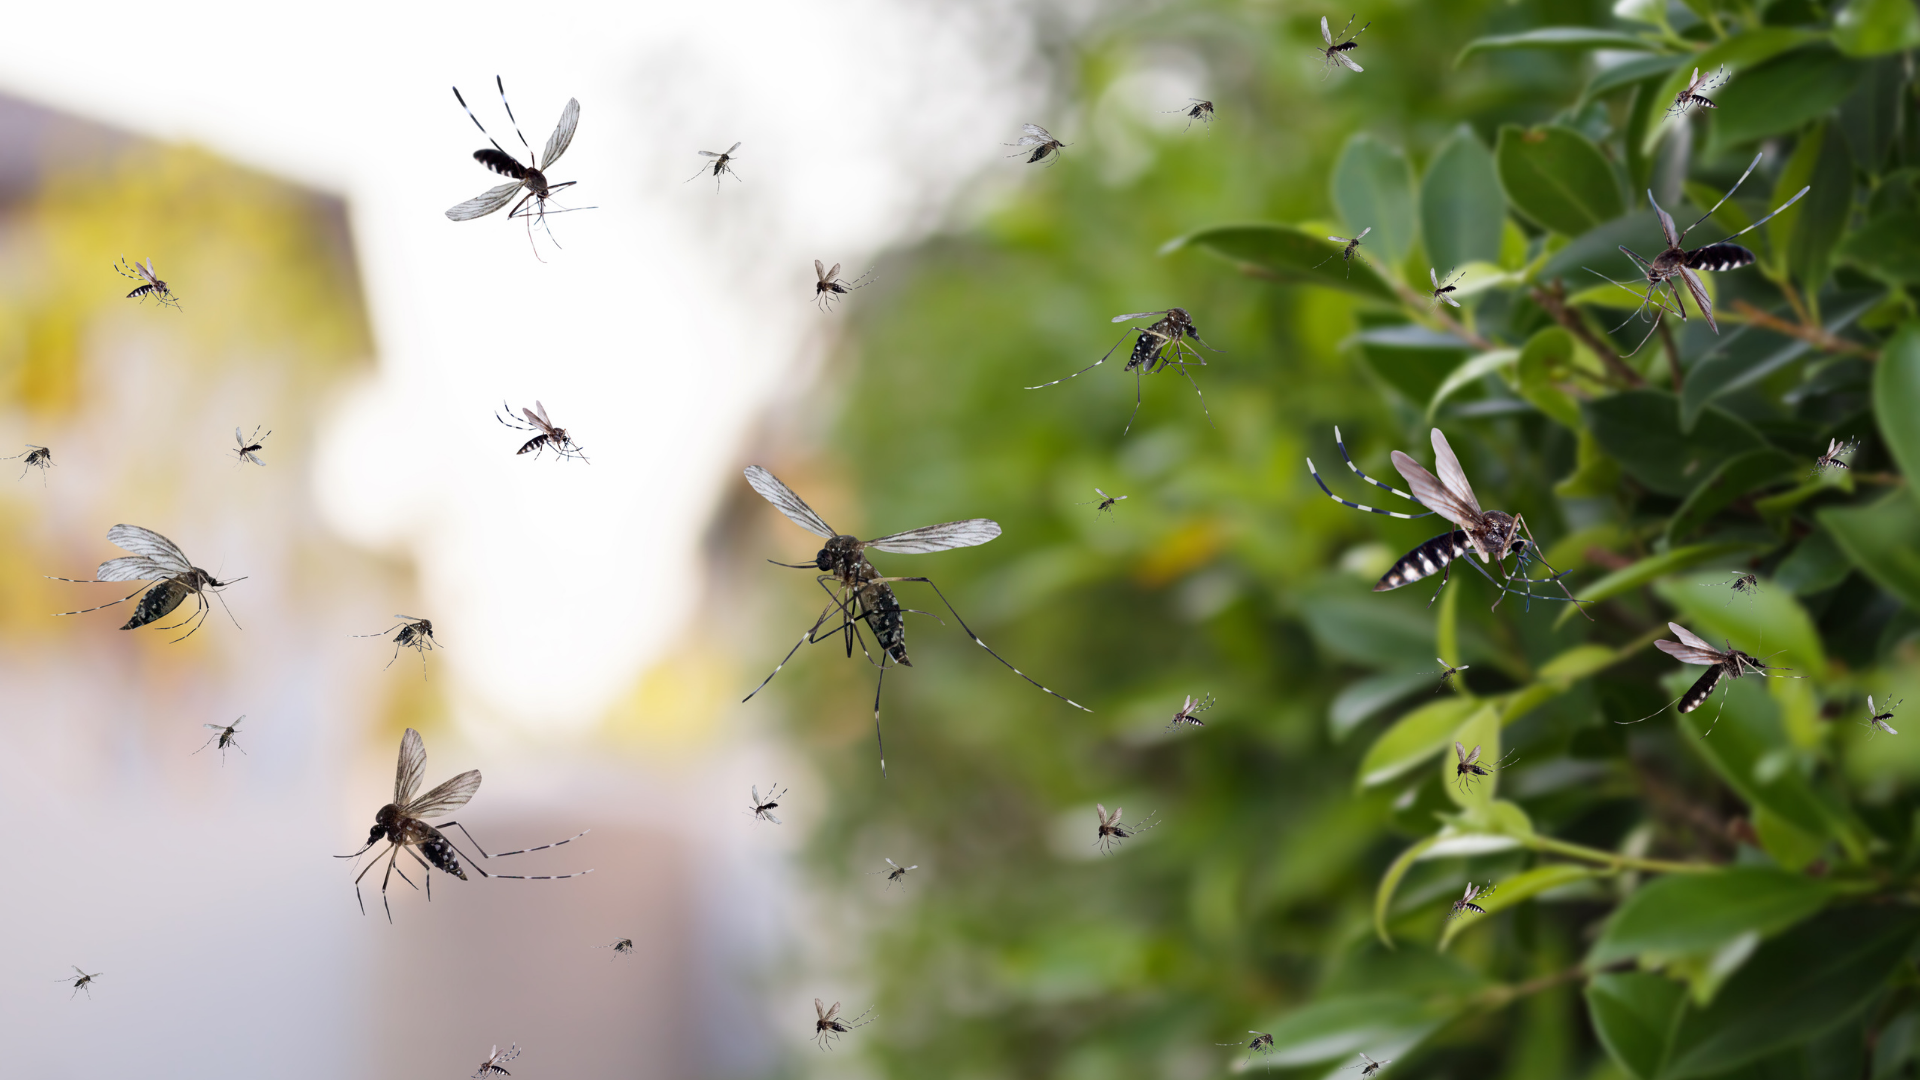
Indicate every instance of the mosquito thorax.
{"type": "Point", "coordinates": [841, 556]}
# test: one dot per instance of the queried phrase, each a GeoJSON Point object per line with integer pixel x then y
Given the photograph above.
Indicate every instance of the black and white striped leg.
{"type": "Point", "coordinates": [1348, 458]}
{"type": "Point", "coordinates": [1315, 473]}
{"type": "Point", "coordinates": [976, 638]}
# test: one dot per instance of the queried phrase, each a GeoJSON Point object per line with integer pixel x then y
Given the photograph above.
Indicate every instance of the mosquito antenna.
{"type": "Point", "coordinates": [476, 120]}
{"type": "Point", "coordinates": [516, 123]}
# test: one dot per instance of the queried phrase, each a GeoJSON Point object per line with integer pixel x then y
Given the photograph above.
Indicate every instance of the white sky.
{"type": "Point", "coordinates": [673, 317]}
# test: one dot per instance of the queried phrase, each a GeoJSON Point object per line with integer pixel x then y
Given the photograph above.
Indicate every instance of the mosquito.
{"type": "Point", "coordinates": [1838, 452]}
{"type": "Point", "coordinates": [1469, 768]}
{"type": "Point", "coordinates": [896, 872]}
{"type": "Point", "coordinates": [1489, 534]}
{"type": "Point", "coordinates": [80, 982]}
{"type": "Point", "coordinates": [1112, 832]}
{"type": "Point", "coordinates": [1105, 500]}
{"type": "Point", "coordinates": [1466, 904]}
{"type": "Point", "coordinates": [532, 180]}
{"type": "Point", "coordinates": [227, 734]}
{"type": "Point", "coordinates": [1200, 109]}
{"type": "Point", "coordinates": [415, 633]}
{"type": "Point", "coordinates": [249, 447]}
{"type": "Point", "coordinates": [623, 947]}
{"type": "Point", "coordinates": [1443, 291]}
{"type": "Point", "coordinates": [1448, 672]}
{"type": "Point", "coordinates": [1368, 1066]}
{"type": "Point", "coordinates": [1261, 1044]}
{"type": "Point", "coordinates": [830, 287]}
{"type": "Point", "coordinates": [37, 457]}
{"type": "Point", "coordinates": [1743, 582]}
{"type": "Point", "coordinates": [1337, 49]}
{"type": "Point", "coordinates": [1728, 664]}
{"type": "Point", "coordinates": [150, 283]}
{"type": "Point", "coordinates": [402, 824]}
{"type": "Point", "coordinates": [494, 1065]}
{"type": "Point", "coordinates": [551, 437]}
{"type": "Point", "coordinates": [1346, 253]}
{"type": "Point", "coordinates": [1043, 144]}
{"type": "Point", "coordinates": [830, 1027]}
{"type": "Point", "coordinates": [1189, 713]}
{"type": "Point", "coordinates": [1695, 92]}
{"type": "Point", "coordinates": [861, 594]}
{"type": "Point", "coordinates": [1877, 718]}
{"type": "Point", "coordinates": [172, 579]}
{"type": "Point", "coordinates": [722, 164]}
{"type": "Point", "coordinates": [763, 808]}
{"type": "Point", "coordinates": [1157, 347]}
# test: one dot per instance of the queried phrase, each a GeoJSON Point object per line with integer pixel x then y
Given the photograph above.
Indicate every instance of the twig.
{"type": "Point", "coordinates": [1812, 335]}
{"type": "Point", "coordinates": [1554, 301]}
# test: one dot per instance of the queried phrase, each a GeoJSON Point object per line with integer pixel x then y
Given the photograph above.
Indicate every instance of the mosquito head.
{"type": "Point", "coordinates": [383, 823]}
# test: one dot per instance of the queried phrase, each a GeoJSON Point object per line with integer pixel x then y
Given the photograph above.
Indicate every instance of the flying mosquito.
{"type": "Point", "coordinates": [1489, 534]}
{"type": "Point", "coordinates": [1200, 109]}
{"type": "Point", "coordinates": [1695, 92]}
{"type": "Point", "coordinates": [1877, 718]}
{"type": "Point", "coordinates": [1443, 291]}
{"type": "Point", "coordinates": [721, 165]}
{"type": "Point", "coordinates": [1335, 54]}
{"type": "Point", "coordinates": [551, 437]}
{"type": "Point", "coordinates": [896, 872]}
{"type": "Point", "coordinates": [763, 808]}
{"type": "Point", "coordinates": [1469, 768]}
{"type": "Point", "coordinates": [38, 457]}
{"type": "Point", "coordinates": [1368, 1066]}
{"type": "Point", "coordinates": [1105, 500]}
{"type": "Point", "coordinates": [1449, 673]}
{"type": "Point", "coordinates": [1345, 254]}
{"type": "Point", "coordinates": [1743, 582]}
{"type": "Point", "coordinates": [227, 734]}
{"type": "Point", "coordinates": [495, 1063]}
{"type": "Point", "coordinates": [1262, 1042]}
{"type": "Point", "coordinates": [157, 560]}
{"type": "Point", "coordinates": [830, 287]}
{"type": "Point", "coordinates": [1159, 346]}
{"type": "Point", "coordinates": [1730, 664]}
{"type": "Point", "coordinates": [1189, 713]}
{"type": "Point", "coordinates": [623, 947]}
{"type": "Point", "coordinates": [415, 633]}
{"type": "Point", "coordinates": [150, 283]}
{"type": "Point", "coordinates": [830, 1027]}
{"type": "Point", "coordinates": [249, 447]}
{"type": "Point", "coordinates": [1836, 457]}
{"type": "Point", "coordinates": [1112, 832]}
{"type": "Point", "coordinates": [1043, 144]}
{"type": "Point", "coordinates": [525, 177]}
{"type": "Point", "coordinates": [861, 594]}
{"type": "Point", "coordinates": [402, 824]}
{"type": "Point", "coordinates": [1466, 904]}
{"type": "Point", "coordinates": [80, 982]}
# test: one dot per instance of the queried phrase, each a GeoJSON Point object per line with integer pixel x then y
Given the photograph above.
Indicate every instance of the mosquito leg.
{"type": "Point", "coordinates": [1196, 390]}
{"type": "Point", "coordinates": [878, 741]}
{"type": "Point", "coordinates": [982, 644]}
{"type": "Point", "coordinates": [1084, 370]}
{"type": "Point", "coordinates": [804, 639]}
{"type": "Point", "coordinates": [1445, 573]}
{"type": "Point", "coordinates": [1356, 506]}
{"type": "Point", "coordinates": [1533, 546]}
{"type": "Point", "coordinates": [1136, 403]}
{"type": "Point", "coordinates": [1348, 458]}
{"type": "Point", "coordinates": [502, 854]}
{"type": "Point", "coordinates": [1654, 713]}
{"type": "Point", "coordinates": [80, 581]}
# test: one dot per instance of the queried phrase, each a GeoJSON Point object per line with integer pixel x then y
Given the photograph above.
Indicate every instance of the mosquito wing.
{"type": "Point", "coordinates": [413, 762]}
{"type": "Point", "coordinates": [1691, 638]}
{"type": "Point", "coordinates": [1451, 474]}
{"type": "Point", "coordinates": [1347, 60]}
{"type": "Point", "coordinates": [946, 537]}
{"type": "Point", "coordinates": [1698, 290]}
{"type": "Point", "coordinates": [1434, 276]}
{"type": "Point", "coordinates": [1035, 131]}
{"type": "Point", "coordinates": [1688, 654]}
{"type": "Point", "coordinates": [1473, 757]}
{"type": "Point", "coordinates": [448, 796]}
{"type": "Point", "coordinates": [485, 204]}
{"type": "Point", "coordinates": [1368, 229]}
{"type": "Point", "coordinates": [148, 272]}
{"type": "Point", "coordinates": [562, 136]}
{"type": "Point", "coordinates": [784, 500]}
{"type": "Point", "coordinates": [131, 568]}
{"type": "Point", "coordinates": [1432, 494]}
{"type": "Point", "coordinates": [831, 275]}
{"type": "Point", "coordinates": [1101, 809]}
{"type": "Point", "coordinates": [732, 148]}
{"type": "Point", "coordinates": [1137, 315]}
{"type": "Point", "coordinates": [159, 549]}
{"type": "Point", "coordinates": [1666, 222]}
{"type": "Point", "coordinates": [1326, 32]}
{"type": "Point", "coordinates": [538, 414]}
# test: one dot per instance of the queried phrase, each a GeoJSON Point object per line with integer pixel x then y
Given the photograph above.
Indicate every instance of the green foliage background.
{"type": "Point", "coordinates": [1670, 903]}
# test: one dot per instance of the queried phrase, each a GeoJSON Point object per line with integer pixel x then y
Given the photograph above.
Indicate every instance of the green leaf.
{"type": "Point", "coordinates": [1877, 27]}
{"type": "Point", "coordinates": [1734, 479]}
{"type": "Point", "coordinates": [1412, 359]}
{"type": "Point", "coordinates": [1888, 247]}
{"type": "Point", "coordinates": [1746, 355]}
{"type": "Point", "coordinates": [1598, 251]}
{"type": "Point", "coordinates": [1812, 227]}
{"type": "Point", "coordinates": [1557, 37]}
{"type": "Point", "coordinates": [1413, 739]}
{"type": "Point", "coordinates": [1896, 397]}
{"type": "Point", "coordinates": [1871, 115]}
{"type": "Point", "coordinates": [1390, 881]}
{"type": "Point", "coordinates": [1638, 69]}
{"type": "Point", "coordinates": [1577, 663]}
{"type": "Point", "coordinates": [1472, 371]}
{"type": "Point", "coordinates": [1781, 95]}
{"type": "Point", "coordinates": [1880, 539]}
{"type": "Point", "coordinates": [1641, 430]}
{"type": "Point", "coordinates": [1652, 568]}
{"type": "Point", "coordinates": [1557, 178]}
{"type": "Point", "coordinates": [1738, 52]}
{"type": "Point", "coordinates": [1373, 188]}
{"type": "Point", "coordinates": [1546, 361]}
{"type": "Point", "coordinates": [1289, 254]}
{"type": "Point", "coordinates": [1699, 913]}
{"type": "Point", "coordinates": [1633, 1014]}
{"type": "Point", "coordinates": [1340, 1027]}
{"type": "Point", "coordinates": [1815, 565]}
{"type": "Point", "coordinates": [1516, 890]}
{"type": "Point", "coordinates": [1461, 212]}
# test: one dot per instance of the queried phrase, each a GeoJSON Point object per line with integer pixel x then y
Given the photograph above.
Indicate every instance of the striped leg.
{"type": "Point", "coordinates": [1356, 471]}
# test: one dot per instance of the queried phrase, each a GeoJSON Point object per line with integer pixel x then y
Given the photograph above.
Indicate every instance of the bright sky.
{"type": "Point", "coordinates": [671, 320]}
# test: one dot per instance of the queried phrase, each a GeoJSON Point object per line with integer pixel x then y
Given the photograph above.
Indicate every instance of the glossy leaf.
{"type": "Point", "coordinates": [1469, 372]}
{"type": "Point", "coordinates": [1373, 188]}
{"type": "Point", "coordinates": [1888, 247]}
{"type": "Point", "coordinates": [1877, 27]}
{"type": "Point", "coordinates": [1641, 429]}
{"type": "Point", "coordinates": [1288, 253]}
{"type": "Point", "coordinates": [1461, 211]}
{"type": "Point", "coordinates": [1633, 1014]}
{"type": "Point", "coordinates": [1782, 94]}
{"type": "Point", "coordinates": [1734, 479]}
{"type": "Point", "coordinates": [1896, 397]}
{"type": "Point", "coordinates": [1557, 178]}
{"type": "Point", "coordinates": [1700, 913]}
{"type": "Point", "coordinates": [1881, 541]}
{"type": "Point", "coordinates": [1340, 1027]}
{"type": "Point", "coordinates": [1654, 567]}
{"type": "Point", "coordinates": [1414, 738]}
{"type": "Point", "coordinates": [1557, 37]}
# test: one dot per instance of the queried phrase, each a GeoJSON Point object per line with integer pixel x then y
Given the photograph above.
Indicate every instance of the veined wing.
{"type": "Point", "coordinates": [1347, 60]}
{"type": "Point", "coordinates": [1666, 221]}
{"type": "Point", "coordinates": [484, 204]}
{"type": "Point", "coordinates": [413, 763]}
{"type": "Point", "coordinates": [734, 147]}
{"type": "Point", "coordinates": [1432, 494]}
{"type": "Point", "coordinates": [151, 544]}
{"type": "Point", "coordinates": [1037, 132]}
{"type": "Point", "coordinates": [784, 500]}
{"type": "Point", "coordinates": [1326, 32]}
{"type": "Point", "coordinates": [131, 568]}
{"type": "Point", "coordinates": [1689, 637]}
{"type": "Point", "coordinates": [1138, 315]}
{"type": "Point", "coordinates": [945, 537]}
{"type": "Point", "coordinates": [448, 796]}
{"type": "Point", "coordinates": [562, 136]}
{"type": "Point", "coordinates": [1451, 474]}
{"type": "Point", "coordinates": [538, 414]}
{"type": "Point", "coordinates": [1688, 654]}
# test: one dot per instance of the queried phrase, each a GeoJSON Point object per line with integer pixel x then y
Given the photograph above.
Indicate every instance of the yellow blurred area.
{"type": "Point", "coordinates": [675, 707]}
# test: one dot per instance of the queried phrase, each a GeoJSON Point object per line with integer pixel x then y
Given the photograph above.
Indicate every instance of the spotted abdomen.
{"type": "Point", "coordinates": [441, 854]}
{"type": "Point", "coordinates": [1426, 560]}
{"type": "Point", "coordinates": [158, 602]}
{"type": "Point", "coordinates": [887, 621]}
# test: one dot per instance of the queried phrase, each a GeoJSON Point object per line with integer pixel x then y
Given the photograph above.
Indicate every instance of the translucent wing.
{"type": "Point", "coordinates": [1347, 60]}
{"type": "Point", "coordinates": [832, 274]}
{"type": "Point", "coordinates": [708, 153]}
{"type": "Point", "coordinates": [1339, 239]}
{"type": "Point", "coordinates": [151, 544]}
{"type": "Point", "coordinates": [1666, 221]}
{"type": "Point", "coordinates": [953, 534]}
{"type": "Point", "coordinates": [1434, 276]}
{"type": "Point", "coordinates": [147, 271]}
{"type": "Point", "coordinates": [1451, 474]}
{"type": "Point", "coordinates": [1699, 292]}
{"type": "Point", "coordinates": [1690, 637]}
{"type": "Point", "coordinates": [1142, 314]}
{"type": "Point", "coordinates": [1687, 654]}
{"type": "Point", "coordinates": [832, 1010]}
{"type": "Point", "coordinates": [1326, 32]}
{"type": "Point", "coordinates": [1694, 83]}
{"type": "Point", "coordinates": [131, 568]}
{"type": "Point", "coordinates": [1870, 709]}
{"type": "Point", "coordinates": [1473, 757]}
{"type": "Point", "coordinates": [1368, 229]}
{"type": "Point", "coordinates": [820, 269]}
{"type": "Point", "coordinates": [732, 148]}
{"type": "Point", "coordinates": [1037, 132]}
{"type": "Point", "coordinates": [484, 204]}
{"type": "Point", "coordinates": [448, 796]}
{"type": "Point", "coordinates": [784, 500]}
{"type": "Point", "coordinates": [540, 411]}
{"type": "Point", "coordinates": [238, 439]}
{"type": "Point", "coordinates": [413, 761]}
{"type": "Point", "coordinates": [562, 134]}
{"type": "Point", "coordinates": [1432, 494]}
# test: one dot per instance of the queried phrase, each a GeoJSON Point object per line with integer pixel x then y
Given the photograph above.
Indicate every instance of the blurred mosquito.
{"type": "Point", "coordinates": [525, 177]}
{"type": "Point", "coordinates": [830, 287]}
{"type": "Point", "coordinates": [39, 457]}
{"type": "Point", "coordinates": [1728, 664]}
{"type": "Point", "coordinates": [415, 633]}
{"type": "Point", "coordinates": [495, 1063]}
{"type": "Point", "coordinates": [895, 871]}
{"type": "Point", "coordinates": [860, 594]}
{"type": "Point", "coordinates": [1466, 904]}
{"type": "Point", "coordinates": [172, 579]}
{"type": "Point", "coordinates": [1335, 54]}
{"type": "Point", "coordinates": [1489, 534]}
{"type": "Point", "coordinates": [402, 824]}
{"type": "Point", "coordinates": [1836, 457]}
{"type": "Point", "coordinates": [1695, 92]}
{"type": "Point", "coordinates": [623, 947]}
{"type": "Point", "coordinates": [1201, 110]}
{"type": "Point", "coordinates": [1262, 1043]}
{"type": "Point", "coordinates": [1443, 292]}
{"type": "Point", "coordinates": [1743, 582]}
{"type": "Point", "coordinates": [1345, 254]}
{"type": "Point", "coordinates": [1105, 500]}
{"type": "Point", "coordinates": [830, 1027]}
{"type": "Point", "coordinates": [1112, 832]}
{"type": "Point", "coordinates": [722, 164]}
{"type": "Point", "coordinates": [226, 734]}
{"type": "Point", "coordinates": [763, 808]}
{"type": "Point", "coordinates": [249, 447]}
{"type": "Point", "coordinates": [1877, 718]}
{"type": "Point", "coordinates": [1189, 713]}
{"type": "Point", "coordinates": [80, 982]}
{"type": "Point", "coordinates": [1469, 769]}
{"type": "Point", "coordinates": [150, 283]}
{"type": "Point", "coordinates": [1368, 1066]}
{"type": "Point", "coordinates": [1159, 346]}
{"type": "Point", "coordinates": [1043, 144]}
{"type": "Point", "coordinates": [1448, 672]}
{"type": "Point", "coordinates": [551, 437]}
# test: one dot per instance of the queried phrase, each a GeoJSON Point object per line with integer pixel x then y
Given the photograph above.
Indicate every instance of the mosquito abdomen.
{"type": "Point", "coordinates": [1719, 257]}
{"type": "Point", "coordinates": [1427, 559]}
{"type": "Point", "coordinates": [504, 164]}
{"type": "Point", "coordinates": [441, 854]}
{"type": "Point", "coordinates": [158, 602]}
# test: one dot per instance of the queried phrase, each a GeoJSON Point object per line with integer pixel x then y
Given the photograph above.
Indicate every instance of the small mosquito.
{"type": "Point", "coordinates": [1368, 1066]}
{"type": "Point", "coordinates": [1043, 144]}
{"type": "Point", "coordinates": [1200, 109]}
{"type": "Point", "coordinates": [37, 457]}
{"type": "Point", "coordinates": [172, 579]}
{"type": "Point", "coordinates": [1159, 346]}
{"type": "Point", "coordinates": [1448, 672]}
{"type": "Point", "coordinates": [1105, 500]}
{"type": "Point", "coordinates": [1346, 254]}
{"type": "Point", "coordinates": [722, 164]}
{"type": "Point", "coordinates": [551, 437]}
{"type": "Point", "coordinates": [1469, 768]}
{"type": "Point", "coordinates": [1112, 832]}
{"type": "Point", "coordinates": [896, 872]}
{"type": "Point", "coordinates": [415, 633]}
{"type": "Point", "coordinates": [227, 734]}
{"type": "Point", "coordinates": [1695, 92]}
{"type": "Point", "coordinates": [1261, 1044]}
{"type": "Point", "coordinates": [1728, 664]}
{"type": "Point", "coordinates": [763, 808]}
{"type": "Point", "coordinates": [1335, 53]}
{"type": "Point", "coordinates": [1877, 718]}
{"type": "Point", "coordinates": [1743, 582]}
{"type": "Point", "coordinates": [495, 1063]}
{"type": "Point", "coordinates": [830, 1027]}
{"type": "Point", "coordinates": [1443, 292]}
{"type": "Point", "coordinates": [1189, 713]}
{"type": "Point", "coordinates": [623, 947]}
{"type": "Point", "coordinates": [249, 447]}
{"type": "Point", "coordinates": [525, 177]}
{"type": "Point", "coordinates": [80, 982]}
{"type": "Point", "coordinates": [1838, 452]}
{"type": "Point", "coordinates": [150, 283]}
{"type": "Point", "coordinates": [830, 287]}
{"type": "Point", "coordinates": [1466, 904]}
{"type": "Point", "coordinates": [402, 824]}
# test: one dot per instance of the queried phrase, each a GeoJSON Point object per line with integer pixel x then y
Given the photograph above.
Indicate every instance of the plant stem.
{"type": "Point", "coordinates": [1813, 335]}
{"type": "Point", "coordinates": [1553, 300]}
{"type": "Point", "coordinates": [1614, 859]}
{"type": "Point", "coordinates": [1499, 997]}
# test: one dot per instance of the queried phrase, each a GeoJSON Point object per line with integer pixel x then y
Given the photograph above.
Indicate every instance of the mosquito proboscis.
{"type": "Point", "coordinates": [1337, 48]}
{"type": "Point", "coordinates": [1159, 346]}
{"type": "Point", "coordinates": [722, 164]}
{"type": "Point", "coordinates": [150, 283]}
{"type": "Point", "coordinates": [1043, 144]}
{"type": "Point", "coordinates": [529, 177]}
{"type": "Point", "coordinates": [170, 580]}
{"type": "Point", "coordinates": [551, 436]}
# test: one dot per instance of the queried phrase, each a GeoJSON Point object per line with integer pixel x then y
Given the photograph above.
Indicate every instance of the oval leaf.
{"type": "Point", "coordinates": [1373, 188]}
{"type": "Point", "coordinates": [1413, 739]}
{"type": "Point", "coordinates": [1461, 212]}
{"type": "Point", "coordinates": [1290, 254]}
{"type": "Point", "coordinates": [1896, 397]}
{"type": "Point", "coordinates": [1782, 94]}
{"type": "Point", "coordinates": [1556, 177]}
{"type": "Point", "coordinates": [1633, 1014]}
{"type": "Point", "coordinates": [1696, 914]}
{"type": "Point", "coordinates": [1880, 540]}
{"type": "Point", "coordinates": [1557, 37]}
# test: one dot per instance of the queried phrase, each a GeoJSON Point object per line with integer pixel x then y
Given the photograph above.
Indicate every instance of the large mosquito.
{"type": "Point", "coordinates": [861, 594]}
{"type": "Point", "coordinates": [1200, 109]}
{"type": "Point", "coordinates": [1489, 534]}
{"type": "Point", "coordinates": [763, 807]}
{"type": "Point", "coordinates": [896, 872]}
{"type": "Point", "coordinates": [1695, 92]}
{"type": "Point", "coordinates": [1105, 500]}
{"type": "Point", "coordinates": [1730, 663]}
{"type": "Point", "coordinates": [1159, 346]}
{"type": "Point", "coordinates": [1368, 1067]}
{"type": "Point", "coordinates": [1468, 769]}
{"type": "Point", "coordinates": [1877, 717]}
{"type": "Point", "coordinates": [533, 180]}
{"type": "Point", "coordinates": [1111, 832]}
{"type": "Point", "coordinates": [172, 579]}
{"type": "Point", "coordinates": [248, 447]}
{"type": "Point", "coordinates": [495, 1065]}
{"type": "Point", "coordinates": [1443, 290]}
{"type": "Point", "coordinates": [81, 981]}
{"type": "Point", "coordinates": [1189, 714]}
{"type": "Point", "coordinates": [721, 165]}
{"type": "Point", "coordinates": [38, 457]}
{"type": "Point", "coordinates": [227, 735]}
{"type": "Point", "coordinates": [150, 283]}
{"type": "Point", "coordinates": [551, 436]}
{"type": "Point", "coordinates": [1467, 903]}
{"type": "Point", "coordinates": [1335, 54]}
{"type": "Point", "coordinates": [402, 824]}
{"type": "Point", "coordinates": [415, 633]}
{"type": "Point", "coordinates": [1838, 453]}
{"type": "Point", "coordinates": [1043, 144]}
{"type": "Point", "coordinates": [1346, 253]}
{"type": "Point", "coordinates": [831, 287]}
{"type": "Point", "coordinates": [829, 1026]}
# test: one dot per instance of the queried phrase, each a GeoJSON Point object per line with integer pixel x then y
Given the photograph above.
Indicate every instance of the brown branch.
{"type": "Point", "coordinates": [1554, 301]}
{"type": "Point", "coordinates": [1816, 336]}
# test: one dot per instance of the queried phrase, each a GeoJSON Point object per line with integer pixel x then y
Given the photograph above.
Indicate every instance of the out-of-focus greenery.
{"type": "Point", "coordinates": [1670, 903]}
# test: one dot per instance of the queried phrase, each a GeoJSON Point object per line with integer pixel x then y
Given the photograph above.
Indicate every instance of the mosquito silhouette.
{"type": "Point", "coordinates": [1157, 347]}
{"type": "Point", "coordinates": [1189, 714]}
{"type": "Point", "coordinates": [1346, 253]}
{"type": "Point", "coordinates": [1105, 500]}
{"type": "Point", "coordinates": [828, 1027]}
{"type": "Point", "coordinates": [1200, 109]}
{"type": "Point", "coordinates": [1368, 1066]}
{"type": "Point", "coordinates": [80, 981]}
{"type": "Point", "coordinates": [1449, 673]}
{"type": "Point", "coordinates": [226, 735]}
{"type": "Point", "coordinates": [1467, 904]}
{"type": "Point", "coordinates": [150, 283]}
{"type": "Point", "coordinates": [529, 178]}
{"type": "Point", "coordinates": [830, 287]}
{"type": "Point", "coordinates": [623, 947]}
{"type": "Point", "coordinates": [1695, 92]}
{"type": "Point", "coordinates": [1729, 664]}
{"type": "Point", "coordinates": [895, 872]}
{"type": "Point", "coordinates": [248, 447]}
{"type": "Point", "coordinates": [415, 633]}
{"type": "Point", "coordinates": [1443, 292]}
{"type": "Point", "coordinates": [551, 436]}
{"type": "Point", "coordinates": [38, 457]}
{"type": "Point", "coordinates": [721, 165]}
{"type": "Point", "coordinates": [170, 577]}
{"type": "Point", "coordinates": [1836, 457]}
{"type": "Point", "coordinates": [1335, 54]}
{"type": "Point", "coordinates": [495, 1063]}
{"type": "Point", "coordinates": [1877, 718]}
{"type": "Point", "coordinates": [763, 808]}
{"type": "Point", "coordinates": [1469, 769]}
{"type": "Point", "coordinates": [1043, 144]}
{"type": "Point", "coordinates": [1111, 832]}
